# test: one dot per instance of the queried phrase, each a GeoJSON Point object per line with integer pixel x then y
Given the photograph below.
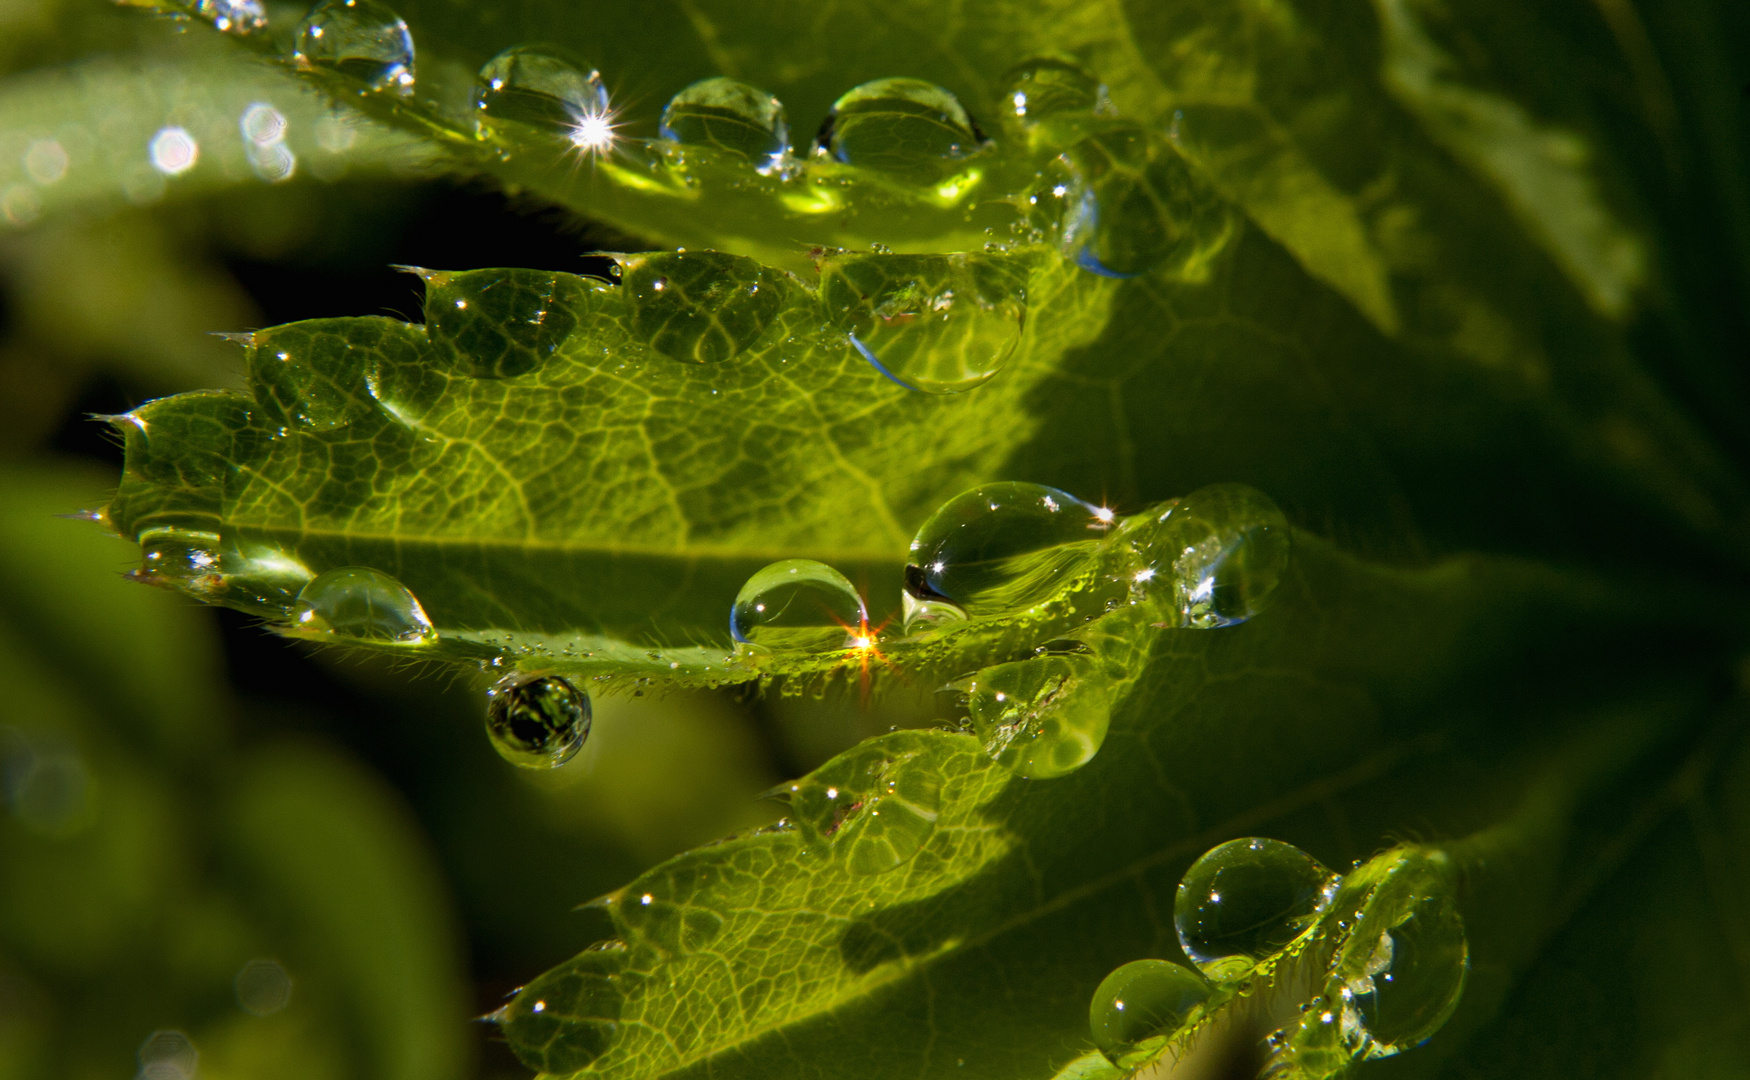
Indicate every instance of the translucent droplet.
{"type": "Point", "coordinates": [232, 16]}
{"type": "Point", "coordinates": [1245, 900]}
{"type": "Point", "coordinates": [728, 115]}
{"type": "Point", "coordinates": [537, 721]}
{"type": "Point", "coordinates": [1000, 547]}
{"type": "Point", "coordinates": [530, 89]}
{"type": "Point", "coordinates": [569, 1016]}
{"type": "Point", "coordinates": [497, 324]}
{"type": "Point", "coordinates": [1130, 203]}
{"type": "Point", "coordinates": [1043, 88]}
{"type": "Point", "coordinates": [908, 128]}
{"type": "Point", "coordinates": [875, 805]}
{"type": "Point", "coordinates": [186, 557]}
{"type": "Point", "coordinates": [1213, 558]}
{"type": "Point", "coordinates": [799, 605]}
{"type": "Point", "coordinates": [261, 577]}
{"type": "Point", "coordinates": [314, 374]}
{"type": "Point", "coordinates": [936, 323]}
{"type": "Point", "coordinates": [701, 306]}
{"type": "Point", "coordinates": [359, 602]}
{"type": "Point", "coordinates": [1401, 971]}
{"type": "Point", "coordinates": [1042, 717]}
{"type": "Point", "coordinates": [263, 987]}
{"type": "Point", "coordinates": [1141, 1005]}
{"type": "Point", "coordinates": [362, 40]}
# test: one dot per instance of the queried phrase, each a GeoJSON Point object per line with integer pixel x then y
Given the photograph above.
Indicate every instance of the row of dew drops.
{"type": "Point", "coordinates": [1209, 560]}
{"type": "Point", "coordinates": [1383, 950]}
{"type": "Point", "coordinates": [909, 133]}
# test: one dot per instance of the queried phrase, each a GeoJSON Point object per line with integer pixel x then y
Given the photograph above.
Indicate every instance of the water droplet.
{"type": "Point", "coordinates": [703, 306]}
{"type": "Point", "coordinates": [1046, 88]}
{"type": "Point", "coordinates": [1214, 557]}
{"type": "Point", "coordinates": [530, 89]}
{"type": "Point", "coordinates": [314, 373]}
{"type": "Point", "coordinates": [1141, 1005]}
{"type": "Point", "coordinates": [1244, 901]}
{"type": "Point", "coordinates": [231, 16]}
{"type": "Point", "coordinates": [799, 605]}
{"type": "Point", "coordinates": [263, 987]}
{"type": "Point", "coordinates": [361, 40]}
{"type": "Point", "coordinates": [359, 602]}
{"type": "Point", "coordinates": [1130, 203]}
{"type": "Point", "coordinates": [1401, 971]}
{"type": "Point", "coordinates": [185, 557]}
{"type": "Point", "coordinates": [1042, 717]}
{"type": "Point", "coordinates": [999, 547]}
{"type": "Point", "coordinates": [728, 115]}
{"type": "Point", "coordinates": [936, 323]}
{"type": "Point", "coordinates": [875, 805]}
{"type": "Point", "coordinates": [537, 721]}
{"type": "Point", "coordinates": [907, 128]}
{"type": "Point", "coordinates": [569, 1016]}
{"type": "Point", "coordinates": [497, 324]}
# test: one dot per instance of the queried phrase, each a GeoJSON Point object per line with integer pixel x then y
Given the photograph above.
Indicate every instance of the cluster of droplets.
{"type": "Point", "coordinates": [1383, 949]}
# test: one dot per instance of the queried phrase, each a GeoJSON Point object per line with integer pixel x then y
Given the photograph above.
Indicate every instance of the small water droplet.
{"type": "Point", "coordinates": [799, 605]}
{"type": "Point", "coordinates": [1244, 900]}
{"type": "Point", "coordinates": [701, 306]}
{"type": "Point", "coordinates": [908, 128]}
{"type": "Point", "coordinates": [1043, 717]}
{"type": "Point", "coordinates": [999, 547]}
{"type": "Point", "coordinates": [359, 602]}
{"type": "Point", "coordinates": [1214, 558]}
{"type": "Point", "coordinates": [361, 40]}
{"type": "Point", "coordinates": [1126, 202]}
{"type": "Point", "coordinates": [537, 721]}
{"type": "Point", "coordinates": [1400, 973]}
{"type": "Point", "coordinates": [1139, 1006]}
{"type": "Point", "coordinates": [1046, 88]}
{"type": "Point", "coordinates": [874, 806]}
{"type": "Point", "coordinates": [936, 323]}
{"type": "Point", "coordinates": [532, 89]}
{"type": "Point", "coordinates": [728, 115]}
{"type": "Point", "coordinates": [231, 16]}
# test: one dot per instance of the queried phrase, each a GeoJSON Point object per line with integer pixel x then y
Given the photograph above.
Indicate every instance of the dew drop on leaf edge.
{"type": "Point", "coordinates": [1138, 1006]}
{"type": "Point", "coordinates": [537, 721]}
{"type": "Point", "coordinates": [1244, 900]}
{"type": "Point", "coordinates": [363, 40]}
{"type": "Point", "coordinates": [910, 129]}
{"type": "Point", "coordinates": [873, 807]}
{"type": "Point", "coordinates": [999, 547]}
{"type": "Point", "coordinates": [1039, 89]}
{"type": "Point", "coordinates": [1214, 558]}
{"type": "Point", "coordinates": [360, 602]}
{"type": "Point", "coordinates": [798, 605]}
{"type": "Point", "coordinates": [1042, 718]}
{"type": "Point", "coordinates": [727, 114]}
{"type": "Point", "coordinates": [536, 90]}
{"type": "Point", "coordinates": [940, 324]}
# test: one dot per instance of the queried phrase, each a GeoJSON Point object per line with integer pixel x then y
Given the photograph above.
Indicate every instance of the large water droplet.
{"type": "Point", "coordinates": [799, 605]}
{"type": "Point", "coordinates": [702, 306]}
{"type": "Point", "coordinates": [1042, 717]}
{"type": "Point", "coordinates": [1401, 970]}
{"type": "Point", "coordinates": [360, 39]}
{"type": "Point", "coordinates": [1214, 558]}
{"type": "Point", "coordinates": [497, 324]}
{"type": "Point", "coordinates": [185, 557]}
{"type": "Point", "coordinates": [313, 374]}
{"type": "Point", "coordinates": [875, 805]}
{"type": "Point", "coordinates": [1130, 203]}
{"type": "Point", "coordinates": [1049, 88]}
{"type": "Point", "coordinates": [728, 115]}
{"type": "Point", "coordinates": [261, 577]}
{"type": "Point", "coordinates": [907, 128]}
{"type": "Point", "coordinates": [537, 721]}
{"type": "Point", "coordinates": [529, 89]}
{"type": "Point", "coordinates": [937, 323]}
{"type": "Point", "coordinates": [1141, 1005]}
{"type": "Point", "coordinates": [359, 602]}
{"type": "Point", "coordinates": [1244, 901]}
{"type": "Point", "coordinates": [999, 547]}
